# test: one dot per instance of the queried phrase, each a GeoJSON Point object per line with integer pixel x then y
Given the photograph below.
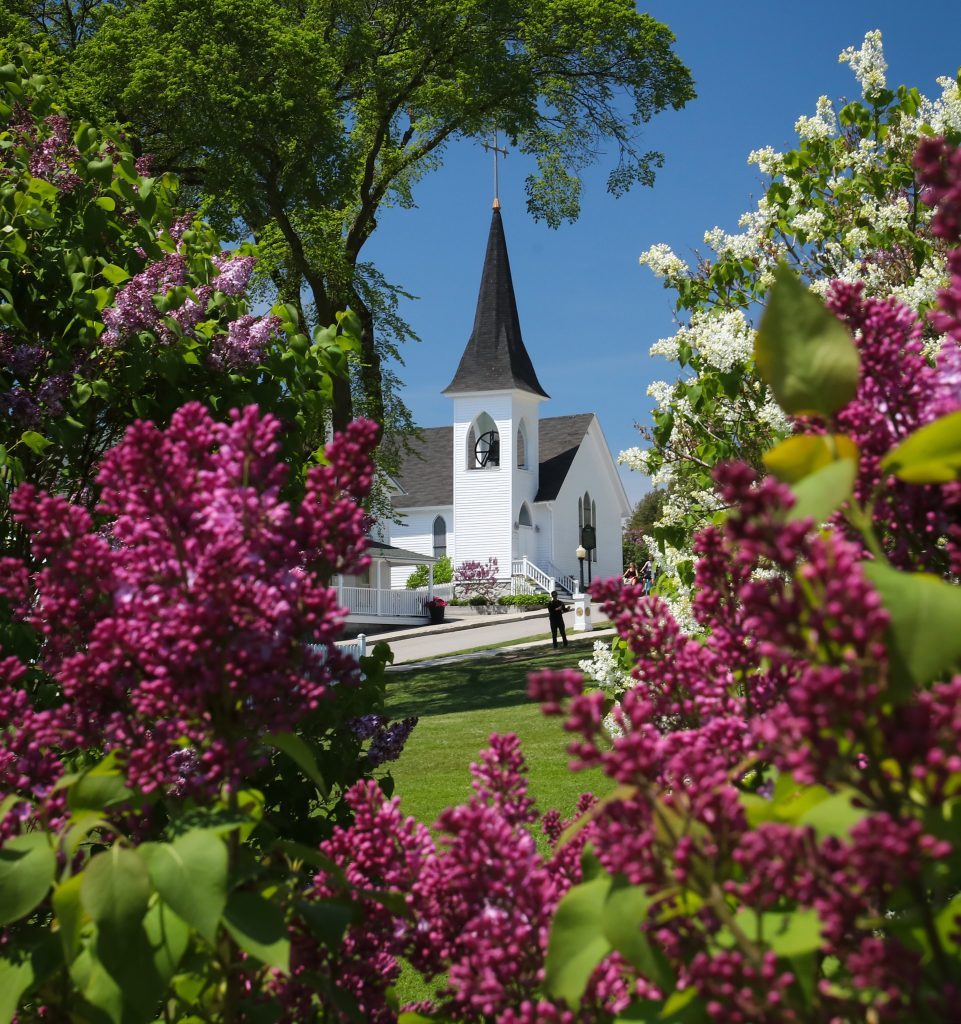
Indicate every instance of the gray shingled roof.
{"type": "Point", "coordinates": [495, 358]}
{"type": "Point", "coordinates": [560, 437]}
{"type": "Point", "coordinates": [427, 472]}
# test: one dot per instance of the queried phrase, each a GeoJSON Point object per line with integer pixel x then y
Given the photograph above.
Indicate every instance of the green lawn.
{"type": "Point", "coordinates": [459, 706]}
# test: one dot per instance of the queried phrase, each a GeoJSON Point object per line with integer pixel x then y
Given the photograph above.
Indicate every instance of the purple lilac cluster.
{"type": "Point", "coordinates": [135, 308]}
{"type": "Point", "coordinates": [387, 740]}
{"type": "Point", "coordinates": [479, 902]}
{"type": "Point", "coordinates": [898, 392]}
{"type": "Point", "coordinates": [245, 342]}
{"type": "Point", "coordinates": [179, 616]}
{"type": "Point", "coordinates": [55, 157]}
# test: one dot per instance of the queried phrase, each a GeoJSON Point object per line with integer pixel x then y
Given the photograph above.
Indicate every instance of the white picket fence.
{"type": "Point", "coordinates": [356, 647]}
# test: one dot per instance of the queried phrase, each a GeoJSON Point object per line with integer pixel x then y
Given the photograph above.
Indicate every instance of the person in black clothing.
{"type": "Point", "coordinates": [555, 613]}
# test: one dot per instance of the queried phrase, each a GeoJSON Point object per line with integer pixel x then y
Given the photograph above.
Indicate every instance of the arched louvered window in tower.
{"type": "Point", "coordinates": [440, 537]}
{"type": "Point", "coordinates": [483, 444]}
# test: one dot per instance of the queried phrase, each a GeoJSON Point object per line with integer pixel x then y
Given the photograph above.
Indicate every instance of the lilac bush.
{"type": "Point", "coordinates": [779, 840]}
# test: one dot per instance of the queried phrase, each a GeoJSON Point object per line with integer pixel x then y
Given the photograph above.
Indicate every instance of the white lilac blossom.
{"type": "Point", "coordinates": [819, 127]}
{"type": "Point", "coordinates": [868, 64]}
{"type": "Point", "coordinates": [664, 262]}
{"type": "Point", "coordinates": [722, 338]}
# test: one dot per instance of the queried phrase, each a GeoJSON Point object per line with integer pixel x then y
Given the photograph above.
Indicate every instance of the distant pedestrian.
{"type": "Point", "coordinates": [647, 576]}
{"type": "Point", "coordinates": [630, 573]}
{"type": "Point", "coordinates": [555, 613]}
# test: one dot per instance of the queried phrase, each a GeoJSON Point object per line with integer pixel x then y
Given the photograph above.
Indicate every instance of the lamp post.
{"type": "Point", "coordinates": [581, 553]}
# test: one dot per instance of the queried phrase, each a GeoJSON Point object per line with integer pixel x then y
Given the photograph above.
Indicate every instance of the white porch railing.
{"type": "Point", "coordinates": [525, 569]}
{"type": "Point", "coordinates": [381, 603]}
{"type": "Point", "coordinates": [444, 590]}
{"type": "Point", "coordinates": [568, 581]}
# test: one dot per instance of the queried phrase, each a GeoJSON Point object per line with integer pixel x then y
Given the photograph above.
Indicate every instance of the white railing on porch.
{"type": "Point", "coordinates": [381, 603]}
{"type": "Point", "coordinates": [443, 590]}
{"type": "Point", "coordinates": [525, 569]}
{"type": "Point", "coordinates": [567, 581]}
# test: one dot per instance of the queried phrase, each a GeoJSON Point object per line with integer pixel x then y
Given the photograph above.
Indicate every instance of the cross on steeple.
{"type": "Point", "coordinates": [492, 147]}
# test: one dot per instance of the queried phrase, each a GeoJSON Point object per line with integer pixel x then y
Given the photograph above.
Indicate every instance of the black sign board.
{"type": "Point", "coordinates": [589, 537]}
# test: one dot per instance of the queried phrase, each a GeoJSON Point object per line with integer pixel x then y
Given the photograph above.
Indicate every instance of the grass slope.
{"type": "Point", "coordinates": [459, 706]}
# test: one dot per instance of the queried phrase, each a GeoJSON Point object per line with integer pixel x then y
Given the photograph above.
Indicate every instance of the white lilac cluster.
{"type": "Point", "coordinates": [821, 126]}
{"type": "Point", "coordinates": [664, 262]}
{"type": "Point", "coordinates": [603, 668]}
{"type": "Point", "coordinates": [723, 338]}
{"type": "Point", "coordinates": [944, 113]}
{"type": "Point", "coordinates": [868, 64]}
{"type": "Point", "coordinates": [769, 161]}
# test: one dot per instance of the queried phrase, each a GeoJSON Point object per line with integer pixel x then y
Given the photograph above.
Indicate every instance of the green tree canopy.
{"type": "Point", "coordinates": [297, 122]}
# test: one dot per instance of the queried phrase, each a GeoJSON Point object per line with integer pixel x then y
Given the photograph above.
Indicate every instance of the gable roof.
{"type": "Point", "coordinates": [495, 358]}
{"type": "Point", "coordinates": [559, 438]}
{"type": "Point", "coordinates": [426, 474]}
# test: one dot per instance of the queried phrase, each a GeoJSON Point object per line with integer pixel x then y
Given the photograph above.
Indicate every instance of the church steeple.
{"type": "Point", "coordinates": [495, 358]}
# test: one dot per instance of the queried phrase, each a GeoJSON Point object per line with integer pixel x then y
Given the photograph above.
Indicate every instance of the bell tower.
{"type": "Point", "coordinates": [497, 400]}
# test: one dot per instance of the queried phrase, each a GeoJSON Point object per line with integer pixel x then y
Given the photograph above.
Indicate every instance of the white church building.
{"type": "Point", "coordinates": [504, 481]}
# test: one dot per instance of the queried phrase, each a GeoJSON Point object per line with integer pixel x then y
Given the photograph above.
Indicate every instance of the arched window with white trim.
{"type": "Point", "coordinates": [440, 537]}
{"type": "Point", "coordinates": [483, 444]}
{"type": "Point", "coordinates": [587, 516]}
{"type": "Point", "coordinates": [524, 516]}
{"type": "Point", "coordinates": [522, 446]}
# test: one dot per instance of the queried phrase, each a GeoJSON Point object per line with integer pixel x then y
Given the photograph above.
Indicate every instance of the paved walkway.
{"type": "Point", "coordinates": [465, 631]}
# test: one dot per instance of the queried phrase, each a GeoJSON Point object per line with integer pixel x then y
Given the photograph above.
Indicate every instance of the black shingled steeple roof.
{"type": "Point", "coordinates": [495, 358]}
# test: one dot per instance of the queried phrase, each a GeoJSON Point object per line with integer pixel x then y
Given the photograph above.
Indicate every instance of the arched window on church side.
{"type": "Point", "coordinates": [524, 516]}
{"type": "Point", "coordinates": [587, 516]}
{"type": "Point", "coordinates": [522, 446]}
{"type": "Point", "coordinates": [440, 537]}
{"type": "Point", "coordinates": [483, 444]}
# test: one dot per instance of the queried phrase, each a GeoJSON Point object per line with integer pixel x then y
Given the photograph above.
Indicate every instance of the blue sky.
{"type": "Point", "coordinates": [589, 312]}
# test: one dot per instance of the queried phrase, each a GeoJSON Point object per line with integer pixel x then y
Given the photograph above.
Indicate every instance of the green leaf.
{"type": "Point", "coordinates": [577, 941]}
{"type": "Point", "coordinates": [116, 889]}
{"type": "Point", "coordinates": [822, 493]}
{"type": "Point", "coordinates": [190, 874]}
{"type": "Point", "coordinates": [834, 816]}
{"type": "Point", "coordinates": [625, 910]}
{"type": "Point", "coordinates": [37, 443]}
{"type": "Point", "coordinates": [948, 923]}
{"type": "Point", "coordinates": [297, 750]}
{"type": "Point", "coordinates": [168, 937]}
{"type": "Point", "coordinates": [106, 203]}
{"type": "Point", "coordinates": [113, 273]}
{"type": "Point", "coordinates": [99, 787]}
{"type": "Point", "coordinates": [931, 455]}
{"type": "Point", "coordinates": [27, 868]}
{"type": "Point", "coordinates": [788, 934]}
{"type": "Point", "coordinates": [15, 978]}
{"type": "Point", "coordinates": [327, 921]}
{"type": "Point", "coordinates": [803, 454]}
{"type": "Point", "coordinates": [69, 911]}
{"type": "Point", "coordinates": [258, 927]}
{"type": "Point", "coordinates": [803, 352]}
{"type": "Point", "coordinates": [924, 641]}
{"type": "Point", "coordinates": [101, 170]}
